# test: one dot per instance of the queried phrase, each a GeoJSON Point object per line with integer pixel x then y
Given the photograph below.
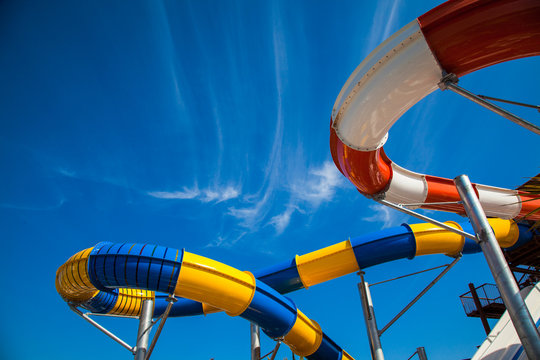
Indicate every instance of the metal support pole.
{"type": "Point", "coordinates": [101, 328]}
{"type": "Point", "coordinates": [274, 353]}
{"type": "Point", "coordinates": [145, 325]}
{"type": "Point", "coordinates": [426, 218]}
{"type": "Point", "coordinates": [369, 316]}
{"type": "Point", "coordinates": [478, 305]}
{"type": "Point", "coordinates": [519, 314]}
{"type": "Point", "coordinates": [255, 341]}
{"type": "Point", "coordinates": [450, 81]}
{"type": "Point", "coordinates": [171, 300]}
{"type": "Point", "coordinates": [421, 353]}
{"type": "Point", "coordinates": [510, 102]}
{"type": "Point", "coordinates": [411, 274]}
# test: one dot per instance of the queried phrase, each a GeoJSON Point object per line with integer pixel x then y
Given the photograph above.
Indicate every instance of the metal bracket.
{"type": "Point", "coordinates": [448, 80]}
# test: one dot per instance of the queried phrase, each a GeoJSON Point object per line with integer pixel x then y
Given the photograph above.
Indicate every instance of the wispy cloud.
{"type": "Point", "coordinates": [426, 136]}
{"type": "Point", "coordinates": [309, 189]}
{"type": "Point", "coordinates": [281, 221]}
{"type": "Point", "coordinates": [66, 172]}
{"type": "Point", "coordinates": [217, 194]}
{"type": "Point", "coordinates": [226, 241]}
{"type": "Point", "coordinates": [320, 185]}
{"type": "Point", "coordinates": [385, 215]}
{"type": "Point", "coordinates": [59, 204]}
{"type": "Point", "coordinates": [185, 193]}
{"type": "Point", "coordinates": [308, 193]}
{"type": "Point", "coordinates": [385, 18]}
{"type": "Point", "coordinates": [251, 216]}
{"type": "Point", "coordinates": [257, 205]}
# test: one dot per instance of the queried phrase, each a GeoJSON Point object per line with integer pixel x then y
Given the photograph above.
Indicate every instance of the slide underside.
{"type": "Point", "coordinates": [116, 278]}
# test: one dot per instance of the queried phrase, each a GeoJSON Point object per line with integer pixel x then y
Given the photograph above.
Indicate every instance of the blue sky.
{"type": "Point", "coordinates": [204, 125]}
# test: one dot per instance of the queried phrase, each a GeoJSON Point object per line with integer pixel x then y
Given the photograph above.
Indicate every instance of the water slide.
{"type": "Point", "coordinates": [450, 41]}
{"type": "Point", "coordinates": [116, 278]}
{"type": "Point", "coordinates": [446, 43]}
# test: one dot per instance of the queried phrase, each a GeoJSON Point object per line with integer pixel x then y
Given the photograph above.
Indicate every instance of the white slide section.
{"type": "Point", "coordinates": [502, 343]}
{"type": "Point", "coordinates": [395, 76]}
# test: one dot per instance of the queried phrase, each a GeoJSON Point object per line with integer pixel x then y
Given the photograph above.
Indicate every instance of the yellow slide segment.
{"type": "Point", "coordinates": [305, 336]}
{"type": "Point", "coordinates": [215, 284]}
{"type": "Point", "coordinates": [129, 302]}
{"type": "Point", "coordinates": [328, 263]}
{"type": "Point", "coordinates": [431, 239]}
{"type": "Point", "coordinates": [72, 281]}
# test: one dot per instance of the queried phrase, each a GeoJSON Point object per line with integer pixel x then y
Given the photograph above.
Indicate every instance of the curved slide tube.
{"type": "Point", "coordinates": [116, 278]}
{"type": "Point", "coordinates": [457, 37]}
{"type": "Point", "coordinates": [138, 270]}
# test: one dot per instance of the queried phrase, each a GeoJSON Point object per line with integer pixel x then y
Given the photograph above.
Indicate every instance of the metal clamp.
{"type": "Point", "coordinates": [447, 80]}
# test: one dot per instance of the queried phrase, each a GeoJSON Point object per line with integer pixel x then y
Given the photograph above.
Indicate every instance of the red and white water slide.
{"type": "Point", "coordinates": [450, 41]}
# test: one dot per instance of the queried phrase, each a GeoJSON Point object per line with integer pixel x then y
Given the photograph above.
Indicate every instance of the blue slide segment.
{"type": "Point", "coordinates": [103, 302]}
{"type": "Point", "coordinates": [136, 266]}
{"type": "Point", "coordinates": [283, 277]}
{"type": "Point", "coordinates": [384, 246]}
{"type": "Point", "coordinates": [268, 301]}
{"type": "Point", "coordinates": [327, 350]}
{"type": "Point", "coordinates": [525, 235]}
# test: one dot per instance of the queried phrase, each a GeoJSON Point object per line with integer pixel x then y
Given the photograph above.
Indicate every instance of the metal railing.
{"type": "Point", "coordinates": [488, 294]}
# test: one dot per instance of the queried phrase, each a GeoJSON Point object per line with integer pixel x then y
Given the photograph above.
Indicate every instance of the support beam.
{"type": "Point", "coordinates": [145, 326]}
{"type": "Point", "coordinates": [422, 293]}
{"type": "Point", "coordinates": [102, 329]}
{"type": "Point", "coordinates": [421, 353]}
{"type": "Point", "coordinates": [524, 271]}
{"type": "Point", "coordinates": [369, 316]}
{"type": "Point", "coordinates": [426, 218]}
{"type": "Point", "coordinates": [450, 82]}
{"type": "Point", "coordinates": [171, 300]}
{"type": "Point", "coordinates": [518, 311]}
{"type": "Point", "coordinates": [255, 341]}
{"type": "Point", "coordinates": [510, 102]}
{"type": "Point", "coordinates": [274, 352]}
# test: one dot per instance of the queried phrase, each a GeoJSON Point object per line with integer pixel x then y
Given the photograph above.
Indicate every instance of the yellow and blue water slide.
{"type": "Point", "coordinates": [116, 278]}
